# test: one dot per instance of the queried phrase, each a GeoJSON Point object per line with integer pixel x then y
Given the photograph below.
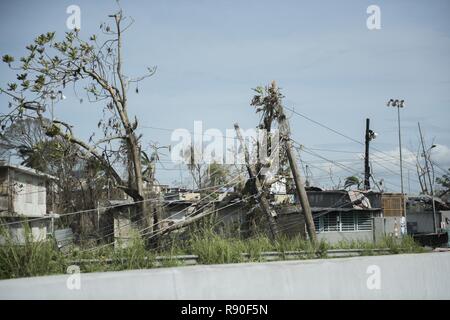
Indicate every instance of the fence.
{"type": "Point", "coordinates": [392, 204]}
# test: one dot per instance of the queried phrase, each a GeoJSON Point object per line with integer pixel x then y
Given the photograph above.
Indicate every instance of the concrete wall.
{"type": "Point", "coordinates": [387, 226]}
{"type": "Point", "coordinates": [413, 276]}
{"type": "Point", "coordinates": [424, 220]}
{"type": "Point", "coordinates": [392, 226]}
{"type": "Point", "coordinates": [125, 227]}
{"type": "Point", "coordinates": [17, 232]}
{"type": "Point", "coordinates": [335, 236]}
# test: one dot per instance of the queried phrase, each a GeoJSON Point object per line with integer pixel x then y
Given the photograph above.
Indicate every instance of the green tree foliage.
{"type": "Point", "coordinates": [352, 182]}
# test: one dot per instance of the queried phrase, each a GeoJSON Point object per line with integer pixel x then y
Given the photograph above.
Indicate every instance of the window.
{"type": "Point", "coordinates": [318, 223]}
{"type": "Point", "coordinates": [347, 221]}
{"type": "Point", "coordinates": [344, 221]}
{"type": "Point", "coordinates": [331, 222]}
{"type": "Point", "coordinates": [364, 222]}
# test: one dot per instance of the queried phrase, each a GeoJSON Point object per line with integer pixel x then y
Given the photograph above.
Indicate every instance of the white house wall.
{"type": "Point", "coordinates": [29, 198]}
{"type": "Point", "coordinates": [17, 232]}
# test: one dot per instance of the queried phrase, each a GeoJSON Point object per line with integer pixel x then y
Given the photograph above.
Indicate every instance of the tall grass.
{"type": "Point", "coordinates": [212, 248]}
{"type": "Point", "coordinates": [405, 244]}
{"type": "Point", "coordinates": [132, 256]}
{"type": "Point", "coordinates": [28, 259]}
{"type": "Point", "coordinates": [44, 258]}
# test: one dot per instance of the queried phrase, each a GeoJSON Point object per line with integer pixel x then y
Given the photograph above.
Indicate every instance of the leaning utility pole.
{"type": "Point", "coordinates": [427, 168]}
{"type": "Point", "coordinates": [264, 204]}
{"type": "Point", "coordinates": [299, 186]}
{"type": "Point", "coordinates": [366, 158]}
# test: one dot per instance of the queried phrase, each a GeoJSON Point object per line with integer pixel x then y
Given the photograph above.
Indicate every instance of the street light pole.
{"type": "Point", "coordinates": [53, 97]}
{"type": "Point", "coordinates": [400, 146]}
{"type": "Point", "coordinates": [399, 104]}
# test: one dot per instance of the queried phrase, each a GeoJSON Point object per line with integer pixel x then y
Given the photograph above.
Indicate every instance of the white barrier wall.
{"type": "Point", "coordinates": [409, 276]}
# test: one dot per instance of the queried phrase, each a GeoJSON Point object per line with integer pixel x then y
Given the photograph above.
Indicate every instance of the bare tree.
{"type": "Point", "coordinates": [197, 167]}
{"type": "Point", "coordinates": [50, 66]}
{"type": "Point", "coordinates": [26, 140]}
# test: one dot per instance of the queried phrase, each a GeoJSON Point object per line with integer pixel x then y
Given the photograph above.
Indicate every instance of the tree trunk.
{"type": "Point", "coordinates": [135, 155]}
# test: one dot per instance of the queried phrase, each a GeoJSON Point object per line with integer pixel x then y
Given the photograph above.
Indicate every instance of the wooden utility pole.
{"type": "Point", "coordinates": [299, 186]}
{"type": "Point", "coordinates": [155, 205]}
{"type": "Point", "coordinates": [429, 177]}
{"type": "Point", "coordinates": [366, 158]}
{"type": "Point", "coordinates": [264, 204]}
{"type": "Point", "coordinates": [301, 192]}
{"type": "Point", "coordinates": [98, 216]}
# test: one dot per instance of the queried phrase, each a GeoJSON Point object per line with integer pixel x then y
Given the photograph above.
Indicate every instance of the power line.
{"type": "Point", "coordinates": [77, 212]}
{"type": "Point", "coordinates": [439, 167]}
{"type": "Point", "coordinates": [406, 162]}
{"type": "Point", "coordinates": [165, 219]}
{"type": "Point", "coordinates": [324, 126]}
{"type": "Point", "coordinates": [191, 132]}
{"type": "Point", "coordinates": [342, 166]}
{"type": "Point", "coordinates": [337, 151]}
{"type": "Point", "coordinates": [141, 232]}
{"type": "Point", "coordinates": [339, 133]}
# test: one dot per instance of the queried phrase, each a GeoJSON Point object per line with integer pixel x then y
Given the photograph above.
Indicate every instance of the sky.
{"type": "Point", "coordinates": [328, 64]}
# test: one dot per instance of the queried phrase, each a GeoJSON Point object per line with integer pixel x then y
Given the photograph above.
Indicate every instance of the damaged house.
{"type": "Point", "coordinates": [23, 202]}
{"type": "Point", "coordinates": [420, 214]}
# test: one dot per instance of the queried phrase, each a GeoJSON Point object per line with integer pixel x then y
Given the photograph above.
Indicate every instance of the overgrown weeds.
{"type": "Point", "coordinates": [36, 258]}
{"type": "Point", "coordinates": [214, 249]}
{"type": "Point", "coordinates": [28, 259]}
